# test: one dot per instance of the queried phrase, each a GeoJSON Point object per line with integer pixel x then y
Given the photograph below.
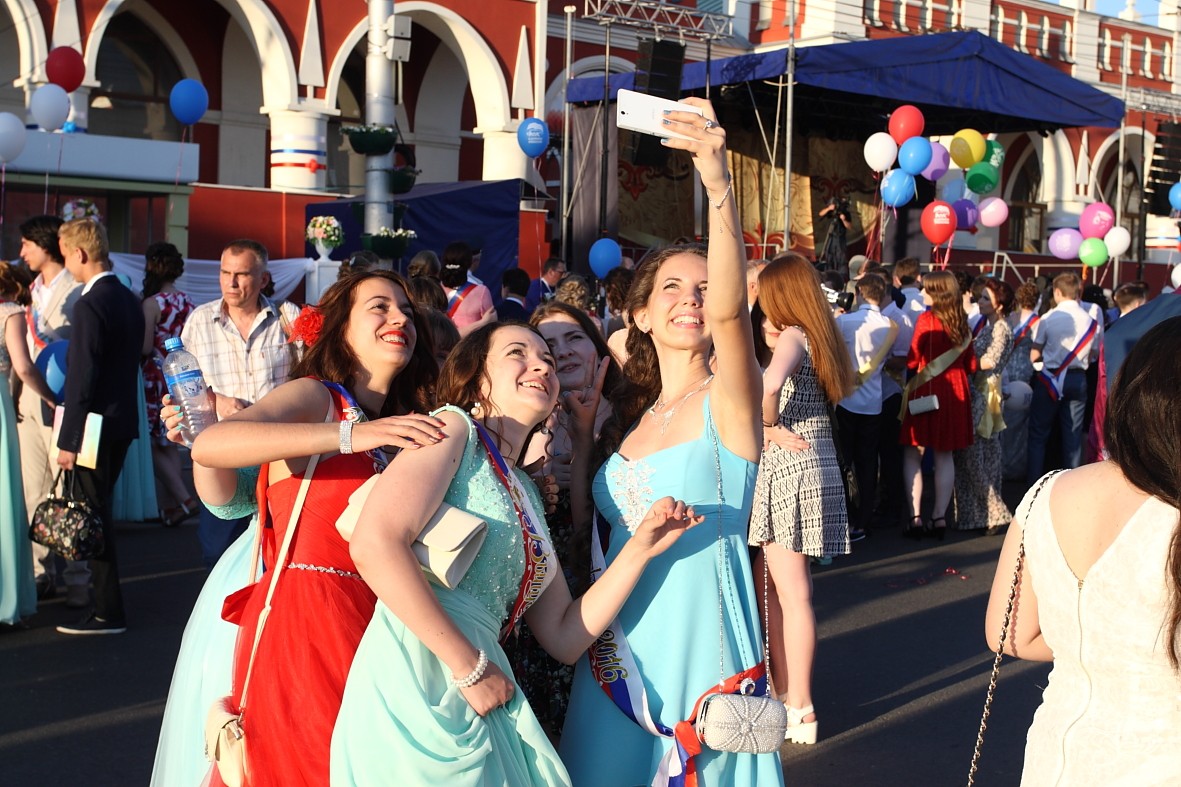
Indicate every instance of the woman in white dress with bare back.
{"type": "Point", "coordinates": [1100, 591]}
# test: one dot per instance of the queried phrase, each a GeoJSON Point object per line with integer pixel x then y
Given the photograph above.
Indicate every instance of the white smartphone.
{"type": "Point", "coordinates": [644, 113]}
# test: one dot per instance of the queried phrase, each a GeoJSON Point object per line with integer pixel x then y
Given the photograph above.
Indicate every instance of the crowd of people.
{"type": "Point", "coordinates": [515, 527]}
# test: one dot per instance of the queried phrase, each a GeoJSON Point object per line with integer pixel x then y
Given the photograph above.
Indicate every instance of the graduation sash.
{"type": "Point", "coordinates": [457, 298]}
{"type": "Point", "coordinates": [1024, 329]}
{"type": "Point", "coordinates": [615, 669]}
{"type": "Point", "coordinates": [869, 367]}
{"type": "Point", "coordinates": [1054, 379]}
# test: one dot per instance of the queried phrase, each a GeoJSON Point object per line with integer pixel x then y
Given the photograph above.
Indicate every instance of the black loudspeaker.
{"type": "Point", "coordinates": [1165, 169]}
{"type": "Point", "coordinates": [658, 73]}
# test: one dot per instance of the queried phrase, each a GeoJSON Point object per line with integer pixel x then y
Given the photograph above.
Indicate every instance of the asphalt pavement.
{"type": "Point", "coordinates": [900, 679]}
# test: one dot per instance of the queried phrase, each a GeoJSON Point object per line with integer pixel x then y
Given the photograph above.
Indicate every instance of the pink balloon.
{"type": "Point", "coordinates": [1097, 220]}
{"type": "Point", "coordinates": [940, 161]}
{"type": "Point", "coordinates": [993, 212]}
{"type": "Point", "coordinates": [1064, 243]}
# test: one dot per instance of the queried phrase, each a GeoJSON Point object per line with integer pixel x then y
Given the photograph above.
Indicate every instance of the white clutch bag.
{"type": "Point", "coordinates": [923, 404]}
{"type": "Point", "coordinates": [446, 546]}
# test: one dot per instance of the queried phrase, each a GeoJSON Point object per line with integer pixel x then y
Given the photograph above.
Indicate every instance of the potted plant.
{"type": "Point", "coordinates": [402, 179]}
{"type": "Point", "coordinates": [371, 140]}
{"type": "Point", "coordinates": [388, 243]}
{"type": "Point", "coordinates": [325, 233]}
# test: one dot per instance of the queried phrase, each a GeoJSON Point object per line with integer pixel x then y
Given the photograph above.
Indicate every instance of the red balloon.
{"type": "Point", "coordinates": [906, 122]}
{"type": "Point", "coordinates": [938, 222]}
{"type": "Point", "coordinates": [65, 68]}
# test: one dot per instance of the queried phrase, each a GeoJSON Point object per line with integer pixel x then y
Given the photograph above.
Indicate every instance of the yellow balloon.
{"type": "Point", "coordinates": [968, 147]}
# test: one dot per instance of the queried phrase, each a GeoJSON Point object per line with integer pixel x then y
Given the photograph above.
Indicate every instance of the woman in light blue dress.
{"type": "Point", "coordinates": [204, 667]}
{"type": "Point", "coordinates": [686, 424]}
{"type": "Point", "coordinates": [18, 592]}
{"type": "Point", "coordinates": [430, 697]}
{"type": "Point", "coordinates": [133, 498]}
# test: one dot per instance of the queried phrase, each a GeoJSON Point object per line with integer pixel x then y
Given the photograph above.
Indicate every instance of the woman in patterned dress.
{"type": "Point", "coordinates": [799, 504]}
{"type": "Point", "coordinates": [978, 474]}
{"type": "Point", "coordinates": [165, 310]}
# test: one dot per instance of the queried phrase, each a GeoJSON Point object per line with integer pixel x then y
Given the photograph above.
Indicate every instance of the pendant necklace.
{"type": "Point", "coordinates": [665, 418]}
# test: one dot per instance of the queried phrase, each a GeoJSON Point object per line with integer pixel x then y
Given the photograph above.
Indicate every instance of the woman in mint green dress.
{"type": "Point", "coordinates": [686, 423]}
{"type": "Point", "coordinates": [430, 697]}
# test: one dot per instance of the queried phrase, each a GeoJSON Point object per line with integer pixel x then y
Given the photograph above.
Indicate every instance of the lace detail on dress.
{"type": "Point", "coordinates": [633, 493]}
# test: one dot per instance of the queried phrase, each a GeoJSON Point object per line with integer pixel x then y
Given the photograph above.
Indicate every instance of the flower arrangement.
{"type": "Point", "coordinates": [401, 232]}
{"type": "Point", "coordinates": [371, 140]}
{"type": "Point", "coordinates": [80, 209]}
{"type": "Point", "coordinates": [325, 230]}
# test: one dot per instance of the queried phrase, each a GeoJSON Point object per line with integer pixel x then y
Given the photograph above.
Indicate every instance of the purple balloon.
{"type": "Point", "coordinates": [967, 215]}
{"type": "Point", "coordinates": [940, 162]}
{"type": "Point", "coordinates": [1064, 243]}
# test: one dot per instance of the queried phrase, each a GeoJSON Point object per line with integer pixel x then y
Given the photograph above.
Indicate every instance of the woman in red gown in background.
{"type": "Point", "coordinates": [373, 342]}
{"type": "Point", "coordinates": [943, 327]}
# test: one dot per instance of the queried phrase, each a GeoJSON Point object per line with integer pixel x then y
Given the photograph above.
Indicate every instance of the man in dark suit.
{"type": "Point", "coordinates": [102, 362]}
{"type": "Point", "coordinates": [542, 289]}
{"type": "Point", "coordinates": [514, 286]}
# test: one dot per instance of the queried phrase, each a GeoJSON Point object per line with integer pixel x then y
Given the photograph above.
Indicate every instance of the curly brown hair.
{"type": "Point", "coordinates": [331, 358]}
{"type": "Point", "coordinates": [14, 284]}
{"type": "Point", "coordinates": [163, 264]}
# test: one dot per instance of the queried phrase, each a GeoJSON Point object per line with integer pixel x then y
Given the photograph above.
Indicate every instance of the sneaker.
{"type": "Point", "coordinates": [77, 596]}
{"type": "Point", "coordinates": [93, 624]}
{"type": "Point", "coordinates": [856, 534]}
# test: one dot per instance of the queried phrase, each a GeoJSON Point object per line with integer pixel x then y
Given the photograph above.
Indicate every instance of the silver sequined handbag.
{"type": "Point", "coordinates": [741, 723]}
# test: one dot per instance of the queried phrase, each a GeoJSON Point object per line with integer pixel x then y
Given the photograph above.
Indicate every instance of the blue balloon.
{"type": "Point", "coordinates": [69, 127]}
{"type": "Point", "coordinates": [897, 188]}
{"type": "Point", "coordinates": [188, 100]}
{"type": "Point", "coordinates": [1175, 196]}
{"type": "Point", "coordinates": [533, 137]}
{"type": "Point", "coordinates": [605, 256]}
{"type": "Point", "coordinates": [914, 155]}
{"type": "Point", "coordinates": [52, 363]}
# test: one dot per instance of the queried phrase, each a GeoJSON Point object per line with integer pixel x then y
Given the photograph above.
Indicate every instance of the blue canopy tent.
{"type": "Point", "coordinates": [845, 91]}
{"type": "Point", "coordinates": [484, 214]}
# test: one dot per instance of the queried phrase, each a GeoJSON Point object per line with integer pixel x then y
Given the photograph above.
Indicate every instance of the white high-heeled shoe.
{"type": "Point", "coordinates": [798, 730]}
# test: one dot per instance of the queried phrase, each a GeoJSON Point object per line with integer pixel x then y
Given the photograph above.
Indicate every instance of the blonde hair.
{"type": "Point", "coordinates": [87, 235]}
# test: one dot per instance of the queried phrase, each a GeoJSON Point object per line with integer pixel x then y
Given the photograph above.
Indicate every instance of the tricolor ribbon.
{"type": "Point", "coordinates": [457, 298]}
{"type": "Point", "coordinates": [615, 669]}
{"type": "Point", "coordinates": [1024, 328]}
{"type": "Point", "coordinates": [1054, 380]}
{"type": "Point", "coordinates": [978, 326]}
{"type": "Point", "coordinates": [538, 551]}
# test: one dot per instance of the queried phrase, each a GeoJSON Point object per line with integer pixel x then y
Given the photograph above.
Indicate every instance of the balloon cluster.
{"type": "Point", "coordinates": [1096, 240]}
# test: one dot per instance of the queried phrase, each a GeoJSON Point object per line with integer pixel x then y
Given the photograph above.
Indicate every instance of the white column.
{"type": "Point", "coordinates": [503, 157]}
{"type": "Point", "coordinates": [379, 111]}
{"type": "Point", "coordinates": [299, 140]}
{"type": "Point", "coordinates": [829, 23]}
{"type": "Point", "coordinates": [977, 15]}
{"type": "Point", "coordinates": [1085, 47]}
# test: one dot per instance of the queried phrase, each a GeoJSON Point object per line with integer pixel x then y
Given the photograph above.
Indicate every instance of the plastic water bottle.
{"type": "Point", "coordinates": [187, 386]}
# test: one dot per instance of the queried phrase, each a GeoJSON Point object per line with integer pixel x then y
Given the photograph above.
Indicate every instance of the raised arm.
{"type": "Point", "coordinates": [737, 390]}
{"type": "Point", "coordinates": [288, 424]}
{"type": "Point", "coordinates": [785, 361]}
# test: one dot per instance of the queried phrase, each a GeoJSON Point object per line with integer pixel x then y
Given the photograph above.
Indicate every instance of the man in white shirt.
{"type": "Point", "coordinates": [908, 279]}
{"type": "Point", "coordinates": [241, 344]}
{"type": "Point", "coordinates": [892, 502]}
{"type": "Point", "coordinates": [1065, 342]}
{"type": "Point", "coordinates": [869, 338]}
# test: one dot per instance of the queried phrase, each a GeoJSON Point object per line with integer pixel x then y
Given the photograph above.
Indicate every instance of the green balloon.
{"type": "Point", "coordinates": [994, 153]}
{"type": "Point", "coordinates": [1093, 252]}
{"type": "Point", "coordinates": [982, 178]}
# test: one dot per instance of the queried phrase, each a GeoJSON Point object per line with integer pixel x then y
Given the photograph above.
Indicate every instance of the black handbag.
{"type": "Point", "coordinates": [67, 523]}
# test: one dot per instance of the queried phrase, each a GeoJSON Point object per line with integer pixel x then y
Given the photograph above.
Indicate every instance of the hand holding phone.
{"type": "Point", "coordinates": [645, 114]}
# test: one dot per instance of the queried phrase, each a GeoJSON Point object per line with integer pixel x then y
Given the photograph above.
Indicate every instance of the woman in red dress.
{"type": "Point", "coordinates": [943, 328]}
{"type": "Point", "coordinates": [375, 344]}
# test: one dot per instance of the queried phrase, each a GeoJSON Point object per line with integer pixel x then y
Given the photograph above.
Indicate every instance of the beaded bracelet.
{"type": "Point", "coordinates": [725, 194]}
{"type": "Point", "coordinates": [473, 677]}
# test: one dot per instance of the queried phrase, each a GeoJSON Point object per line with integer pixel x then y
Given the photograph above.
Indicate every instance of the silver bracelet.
{"type": "Point", "coordinates": [346, 437]}
{"type": "Point", "coordinates": [725, 194]}
{"type": "Point", "coordinates": [473, 677]}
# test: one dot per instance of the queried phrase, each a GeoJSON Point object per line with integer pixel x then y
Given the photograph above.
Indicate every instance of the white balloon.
{"type": "Point", "coordinates": [880, 151]}
{"type": "Point", "coordinates": [1117, 240]}
{"type": "Point", "coordinates": [50, 106]}
{"type": "Point", "coordinates": [12, 136]}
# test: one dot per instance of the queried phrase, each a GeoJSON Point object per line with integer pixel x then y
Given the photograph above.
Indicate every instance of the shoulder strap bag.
{"type": "Point", "coordinates": [936, 367]}
{"type": "Point", "coordinates": [1000, 648]}
{"type": "Point", "coordinates": [225, 738]}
